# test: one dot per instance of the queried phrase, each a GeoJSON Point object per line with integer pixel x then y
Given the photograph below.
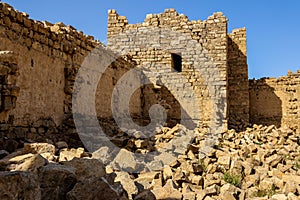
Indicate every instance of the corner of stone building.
{"type": "Point", "coordinates": [238, 84]}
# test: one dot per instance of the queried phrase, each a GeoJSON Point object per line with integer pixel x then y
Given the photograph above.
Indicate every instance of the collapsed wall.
{"type": "Point", "coordinates": [276, 101]}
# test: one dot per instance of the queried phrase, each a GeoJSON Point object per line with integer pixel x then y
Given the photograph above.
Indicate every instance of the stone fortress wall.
{"type": "Point", "coordinates": [39, 62]}
{"type": "Point", "coordinates": [212, 62]}
{"type": "Point", "coordinates": [276, 101]}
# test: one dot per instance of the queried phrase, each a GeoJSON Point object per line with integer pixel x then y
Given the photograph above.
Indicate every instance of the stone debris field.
{"type": "Point", "coordinates": [224, 137]}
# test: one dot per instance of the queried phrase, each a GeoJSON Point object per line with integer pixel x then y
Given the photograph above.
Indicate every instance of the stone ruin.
{"type": "Point", "coordinates": [195, 70]}
{"type": "Point", "coordinates": [39, 62]}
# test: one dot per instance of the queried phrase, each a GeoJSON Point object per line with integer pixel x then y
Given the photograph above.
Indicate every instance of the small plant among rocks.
{"type": "Point", "coordinates": [203, 166]}
{"type": "Point", "coordinates": [234, 179]}
{"type": "Point", "coordinates": [269, 193]}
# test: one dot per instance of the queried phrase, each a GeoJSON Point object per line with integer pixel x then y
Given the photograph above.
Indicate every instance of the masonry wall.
{"type": "Point", "coordinates": [238, 92]}
{"type": "Point", "coordinates": [48, 57]}
{"type": "Point", "coordinates": [276, 101]}
{"type": "Point", "coordinates": [203, 48]}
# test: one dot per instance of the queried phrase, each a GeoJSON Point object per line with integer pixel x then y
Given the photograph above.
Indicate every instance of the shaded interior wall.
{"type": "Point", "coordinates": [202, 46]}
{"type": "Point", "coordinates": [276, 101]}
{"type": "Point", "coordinates": [238, 84]}
{"type": "Point", "coordinates": [48, 57]}
{"type": "Point", "coordinates": [9, 91]}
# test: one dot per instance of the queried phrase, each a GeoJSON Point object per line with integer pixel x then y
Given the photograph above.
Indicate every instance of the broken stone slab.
{"type": "Point", "coordinates": [266, 184]}
{"type": "Point", "coordinates": [31, 164]}
{"type": "Point", "coordinates": [144, 180]}
{"type": "Point", "coordinates": [95, 188]}
{"type": "Point", "coordinates": [212, 190]}
{"type": "Point", "coordinates": [167, 172]}
{"type": "Point", "coordinates": [19, 185]}
{"type": "Point", "coordinates": [86, 168]}
{"type": "Point", "coordinates": [61, 145]}
{"type": "Point", "coordinates": [127, 183]}
{"type": "Point", "coordinates": [155, 165]}
{"type": "Point", "coordinates": [166, 158]}
{"type": "Point", "coordinates": [168, 191]}
{"type": "Point", "coordinates": [145, 195]}
{"type": "Point", "coordinates": [126, 160]}
{"type": "Point", "coordinates": [27, 162]}
{"type": "Point", "coordinates": [69, 154]}
{"type": "Point", "coordinates": [291, 178]}
{"type": "Point", "coordinates": [279, 197]}
{"type": "Point", "coordinates": [289, 187]}
{"type": "Point", "coordinates": [56, 181]}
{"type": "Point", "coordinates": [102, 154]}
{"type": "Point", "coordinates": [38, 148]}
{"type": "Point", "coordinates": [225, 161]}
{"type": "Point", "coordinates": [273, 160]}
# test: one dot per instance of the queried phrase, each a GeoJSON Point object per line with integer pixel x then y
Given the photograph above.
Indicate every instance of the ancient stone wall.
{"type": "Point", "coordinates": [194, 69]}
{"type": "Point", "coordinates": [48, 57]}
{"type": "Point", "coordinates": [238, 94]}
{"type": "Point", "coordinates": [9, 91]}
{"type": "Point", "coordinates": [276, 101]}
{"type": "Point", "coordinates": [201, 80]}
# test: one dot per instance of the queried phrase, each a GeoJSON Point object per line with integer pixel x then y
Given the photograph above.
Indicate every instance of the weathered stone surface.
{"type": "Point", "coordinates": [127, 183]}
{"type": "Point", "coordinates": [26, 162]}
{"type": "Point", "coordinates": [145, 195]}
{"type": "Point", "coordinates": [3, 153]}
{"type": "Point", "coordinates": [95, 188]}
{"type": "Point", "coordinates": [145, 180]}
{"type": "Point", "coordinates": [19, 185]}
{"type": "Point", "coordinates": [69, 154]}
{"type": "Point", "coordinates": [167, 172]}
{"type": "Point", "coordinates": [168, 191]}
{"type": "Point", "coordinates": [56, 181]}
{"type": "Point", "coordinates": [39, 148]}
{"type": "Point", "coordinates": [61, 145]}
{"type": "Point", "coordinates": [86, 168]}
{"type": "Point", "coordinates": [103, 155]}
{"type": "Point", "coordinates": [188, 166]}
{"type": "Point", "coordinates": [279, 197]}
{"type": "Point", "coordinates": [126, 160]}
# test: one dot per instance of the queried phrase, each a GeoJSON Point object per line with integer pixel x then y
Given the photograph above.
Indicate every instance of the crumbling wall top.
{"type": "Point", "coordinates": [169, 18]}
{"type": "Point", "coordinates": [20, 23]}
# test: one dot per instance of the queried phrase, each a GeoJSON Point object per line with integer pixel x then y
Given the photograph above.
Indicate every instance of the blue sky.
{"type": "Point", "coordinates": [273, 26]}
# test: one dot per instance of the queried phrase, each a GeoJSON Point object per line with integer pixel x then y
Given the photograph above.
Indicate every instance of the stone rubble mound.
{"type": "Point", "coordinates": [261, 162]}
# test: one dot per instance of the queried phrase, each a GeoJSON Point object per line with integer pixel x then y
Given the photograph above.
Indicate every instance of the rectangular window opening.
{"type": "Point", "coordinates": [176, 62]}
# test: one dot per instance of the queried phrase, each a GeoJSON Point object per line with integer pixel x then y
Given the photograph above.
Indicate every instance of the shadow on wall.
{"type": "Point", "coordinates": [265, 105]}
{"type": "Point", "coordinates": [140, 101]}
{"type": "Point", "coordinates": [161, 95]}
{"type": "Point", "coordinates": [238, 85]}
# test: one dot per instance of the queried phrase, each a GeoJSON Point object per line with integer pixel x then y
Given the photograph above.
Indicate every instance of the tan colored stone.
{"type": "Point", "coordinates": [127, 183]}
{"type": "Point", "coordinates": [168, 191]}
{"type": "Point", "coordinates": [167, 172]}
{"type": "Point", "coordinates": [38, 148]}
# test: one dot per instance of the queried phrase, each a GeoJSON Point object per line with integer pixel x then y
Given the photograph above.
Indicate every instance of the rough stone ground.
{"type": "Point", "coordinates": [260, 163]}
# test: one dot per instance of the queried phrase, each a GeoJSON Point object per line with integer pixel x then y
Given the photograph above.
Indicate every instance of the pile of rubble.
{"type": "Point", "coordinates": [259, 163]}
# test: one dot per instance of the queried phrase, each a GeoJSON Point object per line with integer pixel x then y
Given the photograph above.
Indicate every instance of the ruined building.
{"type": "Point", "coordinates": [197, 70]}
